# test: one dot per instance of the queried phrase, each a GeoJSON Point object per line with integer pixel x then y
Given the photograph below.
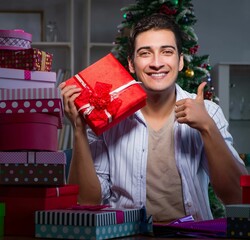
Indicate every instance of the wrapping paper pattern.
{"type": "Point", "coordinates": [238, 220]}
{"type": "Point", "coordinates": [26, 168]}
{"type": "Point", "coordinates": [78, 232]}
{"type": "Point", "coordinates": [15, 39]}
{"type": "Point", "coordinates": [28, 59]}
{"type": "Point", "coordinates": [32, 100]}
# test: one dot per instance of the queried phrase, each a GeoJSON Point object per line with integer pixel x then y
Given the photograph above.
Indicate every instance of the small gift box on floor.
{"type": "Point", "coordinates": [18, 78]}
{"type": "Point", "coordinates": [32, 59]}
{"type": "Point", "coordinates": [238, 220]}
{"type": "Point", "coordinates": [21, 203]}
{"type": "Point", "coordinates": [77, 223]}
{"type": "Point", "coordinates": [245, 184]}
{"type": "Point", "coordinates": [109, 93]}
{"type": "Point", "coordinates": [32, 168]}
{"type": "Point", "coordinates": [2, 215]}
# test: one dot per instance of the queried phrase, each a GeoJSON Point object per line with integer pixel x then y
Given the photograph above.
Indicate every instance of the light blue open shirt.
{"type": "Point", "coordinates": [120, 158]}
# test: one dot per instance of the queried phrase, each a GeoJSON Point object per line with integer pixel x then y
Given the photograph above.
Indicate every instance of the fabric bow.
{"type": "Point", "coordinates": [98, 104]}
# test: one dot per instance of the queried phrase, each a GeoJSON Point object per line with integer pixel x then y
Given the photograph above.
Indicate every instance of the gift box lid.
{"type": "Point", "coordinates": [238, 210]}
{"type": "Point", "coordinates": [2, 209]}
{"type": "Point", "coordinates": [80, 217]}
{"type": "Point", "coordinates": [20, 74]}
{"type": "Point", "coordinates": [245, 180]}
{"type": "Point", "coordinates": [29, 93]}
{"type": "Point", "coordinates": [33, 157]}
{"type": "Point", "coordinates": [22, 39]}
{"type": "Point", "coordinates": [16, 33]}
{"type": "Point", "coordinates": [38, 192]}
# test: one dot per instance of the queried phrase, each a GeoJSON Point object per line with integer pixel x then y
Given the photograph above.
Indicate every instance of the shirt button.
{"type": "Point", "coordinates": [189, 204]}
{"type": "Point", "coordinates": [141, 176]}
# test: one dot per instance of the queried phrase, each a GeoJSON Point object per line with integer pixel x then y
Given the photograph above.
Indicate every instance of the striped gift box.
{"type": "Point", "coordinates": [88, 218]}
{"type": "Point", "coordinates": [86, 224]}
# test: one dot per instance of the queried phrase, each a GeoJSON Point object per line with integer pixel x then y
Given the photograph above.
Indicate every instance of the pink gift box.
{"type": "Point", "coordinates": [15, 39]}
{"type": "Point", "coordinates": [32, 100]}
{"type": "Point", "coordinates": [18, 78]}
{"type": "Point", "coordinates": [28, 131]}
{"type": "Point", "coordinates": [32, 168]}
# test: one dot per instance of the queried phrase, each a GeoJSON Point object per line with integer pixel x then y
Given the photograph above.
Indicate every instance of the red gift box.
{"type": "Point", "coordinates": [27, 59]}
{"type": "Point", "coordinates": [245, 184]}
{"type": "Point", "coordinates": [28, 131]}
{"type": "Point", "coordinates": [15, 39]}
{"type": "Point", "coordinates": [32, 168]}
{"type": "Point", "coordinates": [22, 203]}
{"type": "Point", "coordinates": [109, 93]}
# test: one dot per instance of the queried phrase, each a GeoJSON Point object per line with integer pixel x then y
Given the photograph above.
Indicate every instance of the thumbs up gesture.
{"type": "Point", "coordinates": [193, 111]}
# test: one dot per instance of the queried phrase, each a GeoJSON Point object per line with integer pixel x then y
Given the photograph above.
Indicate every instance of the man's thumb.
{"type": "Point", "coordinates": [200, 94]}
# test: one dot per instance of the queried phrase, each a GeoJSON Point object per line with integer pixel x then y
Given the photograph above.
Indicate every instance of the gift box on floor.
{"type": "Point", "coordinates": [32, 168]}
{"type": "Point", "coordinates": [2, 215]}
{"type": "Point", "coordinates": [21, 203]}
{"type": "Point", "coordinates": [18, 78]}
{"type": "Point", "coordinates": [238, 220]}
{"type": "Point", "coordinates": [15, 39]}
{"type": "Point", "coordinates": [32, 100]}
{"type": "Point", "coordinates": [109, 93]}
{"type": "Point", "coordinates": [32, 59]}
{"type": "Point", "coordinates": [89, 224]}
{"type": "Point", "coordinates": [28, 131]}
{"type": "Point", "coordinates": [245, 184]}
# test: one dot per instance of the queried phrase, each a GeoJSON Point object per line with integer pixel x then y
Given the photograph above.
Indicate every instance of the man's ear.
{"type": "Point", "coordinates": [131, 65]}
{"type": "Point", "coordinates": [181, 62]}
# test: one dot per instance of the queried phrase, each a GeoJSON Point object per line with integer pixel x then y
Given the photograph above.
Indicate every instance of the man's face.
{"type": "Point", "coordinates": [156, 59]}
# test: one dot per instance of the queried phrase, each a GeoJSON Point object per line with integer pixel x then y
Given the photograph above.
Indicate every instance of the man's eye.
{"type": "Point", "coordinates": [144, 54]}
{"type": "Point", "coordinates": [167, 52]}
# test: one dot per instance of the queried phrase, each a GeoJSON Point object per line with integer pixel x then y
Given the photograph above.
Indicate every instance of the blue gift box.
{"type": "Point", "coordinates": [89, 224]}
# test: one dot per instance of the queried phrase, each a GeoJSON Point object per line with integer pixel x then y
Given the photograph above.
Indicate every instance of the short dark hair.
{"type": "Point", "coordinates": [157, 21]}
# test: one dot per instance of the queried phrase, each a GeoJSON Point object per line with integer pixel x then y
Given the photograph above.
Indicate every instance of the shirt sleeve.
{"type": "Point", "coordinates": [100, 157]}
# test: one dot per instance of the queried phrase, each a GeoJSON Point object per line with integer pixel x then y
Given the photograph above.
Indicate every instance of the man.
{"type": "Point", "coordinates": [164, 155]}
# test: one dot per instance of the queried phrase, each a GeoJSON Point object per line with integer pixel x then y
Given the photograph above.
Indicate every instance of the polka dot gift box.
{"type": "Point", "coordinates": [90, 224]}
{"type": "Point", "coordinates": [238, 221]}
{"type": "Point", "coordinates": [32, 168]}
{"type": "Point", "coordinates": [33, 116]}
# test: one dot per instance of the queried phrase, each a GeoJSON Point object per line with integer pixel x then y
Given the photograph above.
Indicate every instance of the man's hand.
{"type": "Point", "coordinates": [193, 111]}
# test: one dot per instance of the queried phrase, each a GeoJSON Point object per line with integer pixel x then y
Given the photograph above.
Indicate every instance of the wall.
{"type": "Point", "coordinates": [223, 29]}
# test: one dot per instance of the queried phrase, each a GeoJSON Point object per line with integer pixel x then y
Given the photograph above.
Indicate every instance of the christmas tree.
{"type": "Point", "coordinates": [196, 68]}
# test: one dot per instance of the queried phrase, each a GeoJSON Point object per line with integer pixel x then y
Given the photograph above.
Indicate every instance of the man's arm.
{"type": "Point", "coordinates": [82, 170]}
{"type": "Point", "coordinates": [224, 169]}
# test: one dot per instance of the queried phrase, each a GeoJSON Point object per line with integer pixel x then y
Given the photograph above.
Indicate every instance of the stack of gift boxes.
{"type": "Point", "coordinates": [33, 191]}
{"type": "Point", "coordinates": [32, 169]}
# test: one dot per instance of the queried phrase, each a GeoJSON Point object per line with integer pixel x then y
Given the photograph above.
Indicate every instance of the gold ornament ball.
{"type": "Point", "coordinates": [189, 73]}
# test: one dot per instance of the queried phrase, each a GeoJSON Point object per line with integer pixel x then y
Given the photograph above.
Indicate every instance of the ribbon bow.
{"type": "Point", "coordinates": [98, 104]}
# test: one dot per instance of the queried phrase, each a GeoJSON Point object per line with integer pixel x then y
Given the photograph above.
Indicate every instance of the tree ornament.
{"type": "Point", "coordinates": [174, 2]}
{"type": "Point", "coordinates": [189, 73]}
